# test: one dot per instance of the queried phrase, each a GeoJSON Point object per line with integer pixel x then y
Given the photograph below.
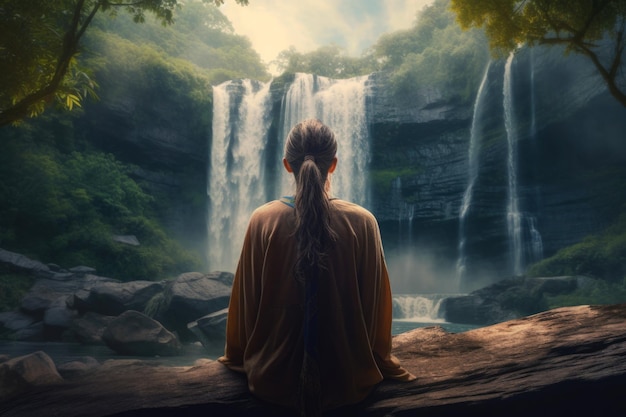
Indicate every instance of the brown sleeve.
{"type": "Point", "coordinates": [236, 329]}
{"type": "Point", "coordinates": [378, 306]}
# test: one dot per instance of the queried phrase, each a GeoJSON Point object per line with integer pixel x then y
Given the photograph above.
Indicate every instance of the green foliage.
{"type": "Point", "coordinates": [38, 55]}
{"type": "Point", "coordinates": [201, 36]}
{"type": "Point", "coordinates": [602, 256]}
{"type": "Point", "coordinates": [598, 292]}
{"type": "Point", "coordinates": [327, 61]}
{"type": "Point", "coordinates": [434, 53]}
{"type": "Point", "coordinates": [381, 179]}
{"type": "Point", "coordinates": [13, 287]}
{"type": "Point", "coordinates": [66, 208]}
{"type": "Point", "coordinates": [41, 40]}
{"type": "Point", "coordinates": [592, 28]}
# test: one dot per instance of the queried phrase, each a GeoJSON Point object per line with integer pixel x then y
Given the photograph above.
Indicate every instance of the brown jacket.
{"type": "Point", "coordinates": [264, 337]}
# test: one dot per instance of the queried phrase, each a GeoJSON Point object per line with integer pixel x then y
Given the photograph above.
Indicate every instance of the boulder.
{"type": "Point", "coordinates": [211, 329]}
{"type": "Point", "coordinates": [51, 300]}
{"type": "Point", "coordinates": [58, 318]}
{"type": "Point", "coordinates": [32, 333]}
{"type": "Point", "coordinates": [88, 328]}
{"type": "Point", "coordinates": [25, 372]}
{"type": "Point", "coordinates": [15, 320]}
{"type": "Point", "coordinates": [77, 367]}
{"type": "Point", "coordinates": [83, 270]}
{"type": "Point", "coordinates": [563, 361]}
{"type": "Point", "coordinates": [508, 299]}
{"type": "Point", "coordinates": [21, 263]}
{"type": "Point", "coordinates": [113, 298]}
{"type": "Point", "coordinates": [191, 296]}
{"type": "Point", "coordinates": [134, 333]}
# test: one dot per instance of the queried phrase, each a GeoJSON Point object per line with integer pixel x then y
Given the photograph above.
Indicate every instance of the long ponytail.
{"type": "Point", "coordinates": [310, 149]}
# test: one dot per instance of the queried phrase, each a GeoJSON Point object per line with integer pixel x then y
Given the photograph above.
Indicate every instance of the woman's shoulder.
{"type": "Point", "coordinates": [271, 209]}
{"type": "Point", "coordinates": [351, 209]}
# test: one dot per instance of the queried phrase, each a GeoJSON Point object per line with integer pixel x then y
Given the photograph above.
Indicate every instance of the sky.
{"type": "Point", "coordinates": [274, 25]}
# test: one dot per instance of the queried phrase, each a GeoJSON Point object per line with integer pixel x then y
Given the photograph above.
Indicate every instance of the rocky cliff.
{"type": "Point", "coordinates": [165, 135]}
{"type": "Point", "coordinates": [569, 152]}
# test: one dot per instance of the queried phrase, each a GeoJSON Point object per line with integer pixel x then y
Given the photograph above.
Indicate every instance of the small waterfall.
{"type": "Point", "coordinates": [514, 216]}
{"type": "Point", "coordinates": [422, 308]}
{"type": "Point", "coordinates": [535, 250]}
{"type": "Point", "coordinates": [533, 111]}
{"type": "Point", "coordinates": [406, 212]}
{"type": "Point", "coordinates": [341, 105]}
{"type": "Point", "coordinates": [473, 165]}
{"type": "Point", "coordinates": [236, 178]}
{"type": "Point", "coordinates": [536, 243]}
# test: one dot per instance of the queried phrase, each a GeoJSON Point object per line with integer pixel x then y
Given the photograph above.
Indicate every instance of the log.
{"type": "Point", "coordinates": [570, 359]}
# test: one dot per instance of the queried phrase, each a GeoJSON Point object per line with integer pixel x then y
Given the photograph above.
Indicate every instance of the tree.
{"type": "Point", "coordinates": [327, 61]}
{"type": "Point", "coordinates": [40, 42]}
{"type": "Point", "coordinates": [593, 28]}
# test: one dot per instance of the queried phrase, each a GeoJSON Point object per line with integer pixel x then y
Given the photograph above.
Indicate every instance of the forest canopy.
{"type": "Point", "coordinates": [594, 29]}
{"type": "Point", "coordinates": [40, 43]}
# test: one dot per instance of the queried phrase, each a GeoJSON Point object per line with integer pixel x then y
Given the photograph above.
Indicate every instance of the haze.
{"type": "Point", "coordinates": [274, 25]}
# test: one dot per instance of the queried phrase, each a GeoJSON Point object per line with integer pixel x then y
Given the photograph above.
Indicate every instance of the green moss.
{"type": "Point", "coordinates": [597, 292]}
{"type": "Point", "coordinates": [602, 256]}
{"type": "Point", "coordinates": [382, 178]}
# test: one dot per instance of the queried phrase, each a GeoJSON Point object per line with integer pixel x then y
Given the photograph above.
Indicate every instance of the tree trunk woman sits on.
{"type": "Point", "coordinates": [309, 320]}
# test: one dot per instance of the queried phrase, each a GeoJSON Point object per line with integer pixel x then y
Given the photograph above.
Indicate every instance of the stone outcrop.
{"type": "Point", "coordinates": [568, 360]}
{"type": "Point", "coordinates": [508, 299]}
{"type": "Point", "coordinates": [210, 330]}
{"type": "Point", "coordinates": [191, 296]}
{"type": "Point", "coordinates": [76, 305]}
{"type": "Point", "coordinates": [134, 333]}
{"type": "Point", "coordinates": [113, 298]}
{"type": "Point", "coordinates": [570, 163]}
{"type": "Point", "coordinates": [25, 372]}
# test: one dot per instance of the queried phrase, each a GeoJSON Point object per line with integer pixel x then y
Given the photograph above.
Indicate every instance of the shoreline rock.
{"type": "Point", "coordinates": [567, 360]}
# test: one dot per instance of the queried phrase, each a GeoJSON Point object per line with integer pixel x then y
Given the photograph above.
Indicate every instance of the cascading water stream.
{"type": "Point", "coordinates": [237, 183]}
{"type": "Point", "coordinates": [340, 104]}
{"type": "Point", "coordinates": [535, 249]}
{"type": "Point", "coordinates": [241, 145]}
{"type": "Point", "coordinates": [514, 216]}
{"type": "Point", "coordinates": [423, 308]}
{"type": "Point", "coordinates": [473, 165]}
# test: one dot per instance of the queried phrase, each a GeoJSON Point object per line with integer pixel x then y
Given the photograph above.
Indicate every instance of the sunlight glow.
{"type": "Point", "coordinates": [274, 25]}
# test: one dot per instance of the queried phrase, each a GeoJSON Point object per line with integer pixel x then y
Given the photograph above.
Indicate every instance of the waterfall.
{"type": "Point", "coordinates": [340, 104]}
{"type": "Point", "coordinates": [236, 178]}
{"type": "Point", "coordinates": [536, 243]}
{"type": "Point", "coordinates": [473, 164]}
{"type": "Point", "coordinates": [514, 217]}
{"type": "Point", "coordinates": [422, 308]}
{"type": "Point", "coordinates": [406, 212]}
{"type": "Point", "coordinates": [535, 250]}
{"type": "Point", "coordinates": [533, 111]}
{"type": "Point", "coordinates": [241, 149]}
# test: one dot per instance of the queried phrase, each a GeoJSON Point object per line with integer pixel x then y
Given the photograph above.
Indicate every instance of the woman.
{"type": "Point", "coordinates": [309, 320]}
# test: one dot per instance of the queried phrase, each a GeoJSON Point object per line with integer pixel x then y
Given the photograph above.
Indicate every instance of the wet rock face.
{"type": "Point", "coordinates": [570, 162]}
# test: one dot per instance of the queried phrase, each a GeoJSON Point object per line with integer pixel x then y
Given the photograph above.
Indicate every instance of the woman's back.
{"type": "Point", "coordinates": [309, 320]}
{"type": "Point", "coordinates": [265, 332]}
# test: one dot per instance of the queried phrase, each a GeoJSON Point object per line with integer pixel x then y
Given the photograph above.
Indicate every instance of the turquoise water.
{"type": "Point", "coordinates": [66, 352]}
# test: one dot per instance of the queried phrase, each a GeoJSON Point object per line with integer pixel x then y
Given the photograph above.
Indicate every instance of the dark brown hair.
{"type": "Point", "coordinates": [310, 149]}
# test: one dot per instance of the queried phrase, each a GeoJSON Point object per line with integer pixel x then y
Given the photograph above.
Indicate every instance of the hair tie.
{"type": "Point", "coordinates": [309, 158]}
